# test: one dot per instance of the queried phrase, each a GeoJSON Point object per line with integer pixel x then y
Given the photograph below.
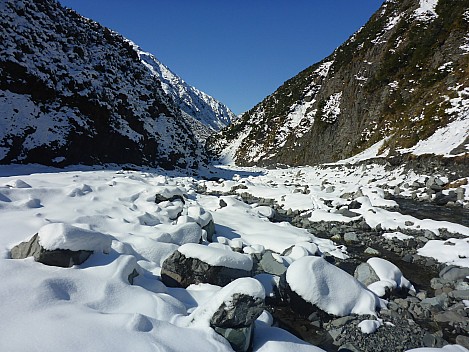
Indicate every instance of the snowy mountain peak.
{"type": "Point", "coordinates": [192, 101]}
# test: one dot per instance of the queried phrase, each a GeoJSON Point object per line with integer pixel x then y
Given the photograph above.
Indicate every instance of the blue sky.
{"type": "Point", "coordinates": [237, 51]}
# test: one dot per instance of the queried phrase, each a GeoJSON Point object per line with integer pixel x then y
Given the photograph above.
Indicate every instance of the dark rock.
{"type": "Point", "coordinates": [179, 271]}
{"type": "Point", "coordinates": [223, 203]}
{"type": "Point", "coordinates": [160, 198]}
{"type": "Point", "coordinates": [348, 213]}
{"type": "Point", "coordinates": [240, 339]}
{"type": "Point", "coordinates": [58, 257]}
{"type": "Point", "coordinates": [132, 276]}
{"type": "Point", "coordinates": [354, 205]}
{"type": "Point", "coordinates": [242, 312]}
{"type": "Point", "coordinates": [210, 229]}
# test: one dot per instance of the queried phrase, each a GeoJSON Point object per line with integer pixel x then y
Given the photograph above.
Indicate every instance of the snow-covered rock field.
{"type": "Point", "coordinates": [296, 232]}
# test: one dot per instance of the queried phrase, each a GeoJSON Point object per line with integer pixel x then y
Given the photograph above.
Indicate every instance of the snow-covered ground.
{"type": "Point", "coordinates": [93, 307]}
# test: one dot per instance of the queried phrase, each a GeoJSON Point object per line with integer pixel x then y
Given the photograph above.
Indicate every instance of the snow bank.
{"type": "Point", "coordinates": [329, 288]}
{"type": "Point", "coordinates": [453, 251]}
{"type": "Point", "coordinates": [64, 236]}
{"type": "Point", "coordinates": [216, 256]}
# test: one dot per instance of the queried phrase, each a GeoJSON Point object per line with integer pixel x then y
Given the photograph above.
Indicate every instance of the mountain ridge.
{"type": "Point", "coordinates": [399, 79]}
{"type": "Point", "coordinates": [73, 91]}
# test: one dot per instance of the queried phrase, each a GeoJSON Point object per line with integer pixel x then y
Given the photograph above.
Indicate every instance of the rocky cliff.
{"type": "Point", "coordinates": [400, 84]}
{"type": "Point", "coordinates": [73, 91]}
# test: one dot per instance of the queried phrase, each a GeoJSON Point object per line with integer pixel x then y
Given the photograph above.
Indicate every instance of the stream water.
{"type": "Point", "coordinates": [427, 210]}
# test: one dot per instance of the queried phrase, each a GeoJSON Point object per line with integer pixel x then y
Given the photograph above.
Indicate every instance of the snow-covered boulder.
{"type": "Point", "coordinates": [314, 283]}
{"type": "Point", "coordinates": [203, 218]}
{"type": "Point", "coordinates": [62, 245]}
{"type": "Point", "coordinates": [382, 277]}
{"type": "Point", "coordinates": [231, 312]}
{"type": "Point", "coordinates": [194, 263]}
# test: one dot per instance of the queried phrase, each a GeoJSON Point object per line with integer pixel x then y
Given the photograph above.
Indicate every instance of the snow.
{"type": "Point", "coordinates": [216, 256]}
{"type": "Point", "coordinates": [64, 236]}
{"type": "Point", "coordinates": [324, 68]}
{"type": "Point", "coordinates": [398, 235]}
{"type": "Point", "coordinates": [426, 10]}
{"type": "Point", "coordinates": [120, 206]}
{"type": "Point", "coordinates": [369, 153]}
{"type": "Point", "coordinates": [453, 251]}
{"type": "Point", "coordinates": [331, 109]}
{"type": "Point", "coordinates": [447, 348]}
{"type": "Point", "coordinates": [322, 284]}
{"type": "Point", "coordinates": [390, 277]}
{"type": "Point", "coordinates": [369, 326]}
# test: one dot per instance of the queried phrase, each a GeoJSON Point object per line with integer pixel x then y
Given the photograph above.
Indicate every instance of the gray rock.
{"type": "Point", "coordinates": [179, 271]}
{"type": "Point", "coordinates": [460, 294]}
{"type": "Point", "coordinates": [210, 229]}
{"type": "Point", "coordinates": [243, 311]}
{"type": "Point", "coordinates": [351, 237]}
{"type": "Point", "coordinates": [240, 339]}
{"type": "Point", "coordinates": [236, 321]}
{"type": "Point", "coordinates": [330, 189]}
{"type": "Point", "coordinates": [437, 301]}
{"type": "Point", "coordinates": [58, 257]}
{"type": "Point", "coordinates": [454, 273]}
{"type": "Point", "coordinates": [460, 193]}
{"type": "Point", "coordinates": [365, 274]}
{"type": "Point", "coordinates": [371, 251]}
{"type": "Point", "coordinates": [348, 213]}
{"type": "Point", "coordinates": [342, 321]}
{"type": "Point", "coordinates": [348, 347]}
{"type": "Point", "coordinates": [463, 341]}
{"type": "Point", "coordinates": [269, 265]}
{"type": "Point", "coordinates": [449, 316]}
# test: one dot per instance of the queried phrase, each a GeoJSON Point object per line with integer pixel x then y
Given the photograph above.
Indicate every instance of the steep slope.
{"type": "Point", "coordinates": [72, 91]}
{"type": "Point", "coordinates": [402, 80]}
{"type": "Point", "coordinates": [192, 101]}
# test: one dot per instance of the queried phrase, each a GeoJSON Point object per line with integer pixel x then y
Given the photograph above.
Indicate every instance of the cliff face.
{"type": "Point", "coordinates": [401, 80]}
{"type": "Point", "coordinates": [72, 91]}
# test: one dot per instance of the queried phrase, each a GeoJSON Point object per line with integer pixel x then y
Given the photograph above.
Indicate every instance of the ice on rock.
{"type": "Point", "coordinates": [64, 236]}
{"type": "Point", "coordinates": [330, 288]}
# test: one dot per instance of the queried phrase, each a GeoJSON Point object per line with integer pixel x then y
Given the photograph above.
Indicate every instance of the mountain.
{"type": "Point", "coordinates": [400, 85]}
{"type": "Point", "coordinates": [192, 101]}
{"type": "Point", "coordinates": [73, 91]}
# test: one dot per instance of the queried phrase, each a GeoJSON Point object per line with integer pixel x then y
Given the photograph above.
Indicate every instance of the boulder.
{"type": "Point", "coordinates": [365, 274]}
{"type": "Point", "coordinates": [62, 245]}
{"type": "Point", "coordinates": [351, 237]}
{"type": "Point", "coordinates": [194, 264]}
{"type": "Point", "coordinates": [231, 312]}
{"type": "Point", "coordinates": [58, 257]}
{"type": "Point", "coordinates": [269, 265]}
{"type": "Point", "coordinates": [453, 273]}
